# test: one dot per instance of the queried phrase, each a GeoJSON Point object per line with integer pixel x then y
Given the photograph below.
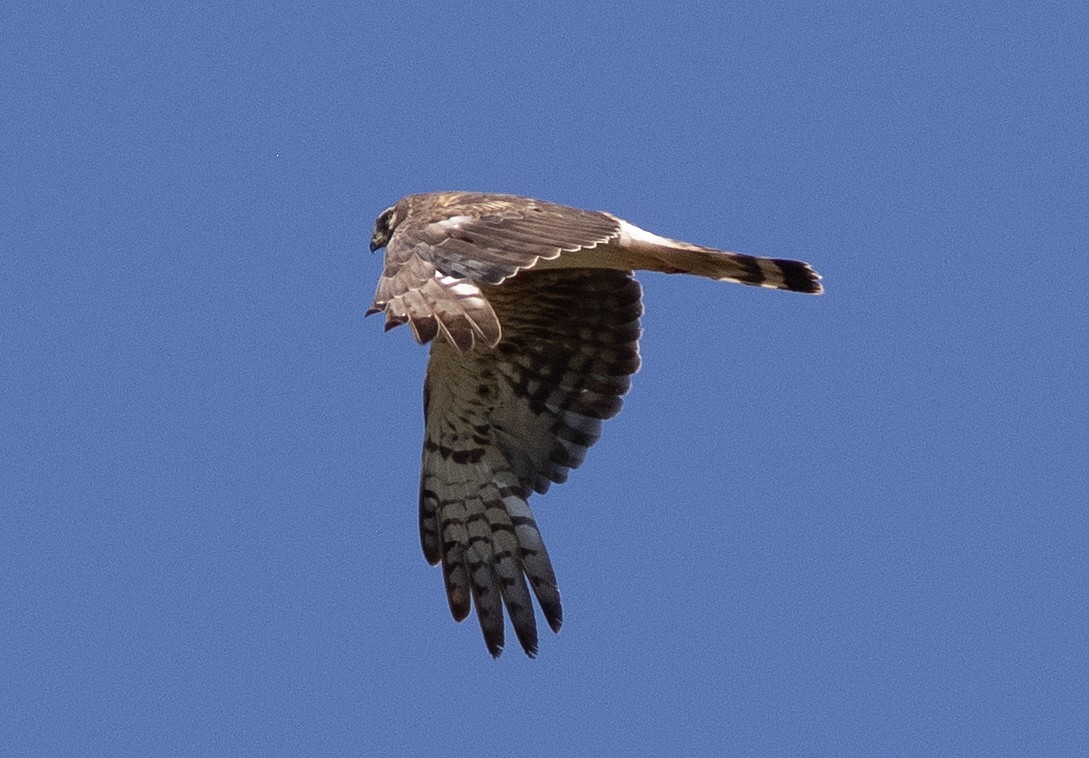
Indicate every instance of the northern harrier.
{"type": "Point", "coordinates": [533, 315]}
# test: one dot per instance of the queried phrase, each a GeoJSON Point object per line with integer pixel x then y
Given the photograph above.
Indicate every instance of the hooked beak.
{"type": "Point", "coordinates": [374, 245]}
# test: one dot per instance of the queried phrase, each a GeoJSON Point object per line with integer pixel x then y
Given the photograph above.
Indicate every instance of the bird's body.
{"type": "Point", "coordinates": [533, 314]}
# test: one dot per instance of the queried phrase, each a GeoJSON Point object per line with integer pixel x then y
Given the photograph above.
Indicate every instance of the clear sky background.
{"type": "Point", "coordinates": [848, 525]}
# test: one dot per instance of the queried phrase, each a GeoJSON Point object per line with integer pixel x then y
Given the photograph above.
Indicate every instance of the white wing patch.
{"type": "Point", "coordinates": [453, 222]}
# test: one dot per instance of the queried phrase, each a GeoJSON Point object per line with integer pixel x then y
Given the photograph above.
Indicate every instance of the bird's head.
{"type": "Point", "coordinates": [383, 227]}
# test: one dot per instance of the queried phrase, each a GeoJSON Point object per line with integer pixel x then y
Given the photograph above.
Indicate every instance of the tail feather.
{"type": "Point", "coordinates": [653, 253]}
{"type": "Point", "coordinates": [772, 273]}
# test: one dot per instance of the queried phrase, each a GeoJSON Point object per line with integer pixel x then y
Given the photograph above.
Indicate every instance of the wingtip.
{"type": "Point", "coordinates": [493, 638]}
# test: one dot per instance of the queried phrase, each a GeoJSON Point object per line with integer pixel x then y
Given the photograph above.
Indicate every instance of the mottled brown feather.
{"type": "Point", "coordinates": [533, 317]}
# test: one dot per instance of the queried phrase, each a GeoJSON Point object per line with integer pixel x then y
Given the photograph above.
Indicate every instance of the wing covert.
{"type": "Point", "coordinates": [493, 237]}
{"type": "Point", "coordinates": [437, 259]}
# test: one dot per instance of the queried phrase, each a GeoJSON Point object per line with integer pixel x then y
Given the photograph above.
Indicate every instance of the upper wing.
{"type": "Point", "coordinates": [449, 244]}
{"type": "Point", "coordinates": [488, 238]}
{"type": "Point", "coordinates": [503, 422]}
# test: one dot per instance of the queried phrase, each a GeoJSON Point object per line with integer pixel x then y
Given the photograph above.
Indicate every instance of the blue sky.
{"type": "Point", "coordinates": [848, 525]}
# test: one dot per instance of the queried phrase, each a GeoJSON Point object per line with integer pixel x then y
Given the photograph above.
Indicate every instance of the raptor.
{"type": "Point", "coordinates": [532, 312]}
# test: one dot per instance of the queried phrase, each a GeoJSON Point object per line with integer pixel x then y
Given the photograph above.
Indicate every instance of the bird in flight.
{"type": "Point", "coordinates": [532, 312]}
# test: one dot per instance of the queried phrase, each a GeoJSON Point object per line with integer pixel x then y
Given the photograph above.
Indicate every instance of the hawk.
{"type": "Point", "coordinates": [532, 312]}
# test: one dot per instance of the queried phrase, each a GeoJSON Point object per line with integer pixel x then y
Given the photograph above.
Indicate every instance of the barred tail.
{"type": "Point", "coordinates": [773, 273]}
{"type": "Point", "coordinates": [653, 253]}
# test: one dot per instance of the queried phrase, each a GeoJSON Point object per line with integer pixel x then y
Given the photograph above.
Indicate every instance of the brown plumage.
{"type": "Point", "coordinates": [533, 315]}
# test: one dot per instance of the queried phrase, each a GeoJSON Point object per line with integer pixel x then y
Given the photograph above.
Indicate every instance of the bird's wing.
{"type": "Point", "coordinates": [504, 422]}
{"type": "Point", "coordinates": [446, 248]}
